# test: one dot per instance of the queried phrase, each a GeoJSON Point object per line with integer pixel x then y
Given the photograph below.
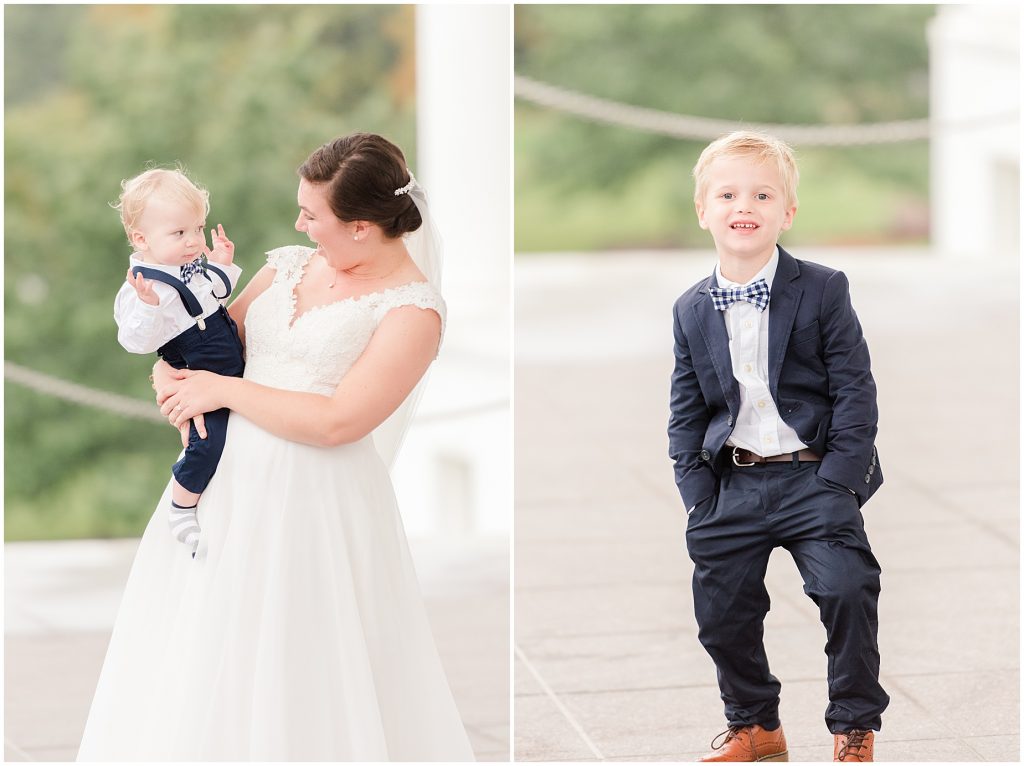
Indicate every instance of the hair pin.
{"type": "Point", "coordinates": [408, 187]}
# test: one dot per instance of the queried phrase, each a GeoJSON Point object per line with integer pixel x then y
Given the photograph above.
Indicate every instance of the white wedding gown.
{"type": "Point", "coordinates": [298, 632]}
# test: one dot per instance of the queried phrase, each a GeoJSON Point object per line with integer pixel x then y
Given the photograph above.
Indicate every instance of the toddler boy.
{"type": "Point", "coordinates": [772, 430]}
{"type": "Point", "coordinates": [171, 304]}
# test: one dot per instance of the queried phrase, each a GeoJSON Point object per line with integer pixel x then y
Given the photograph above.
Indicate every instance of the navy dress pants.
{"type": "Point", "coordinates": [730, 537]}
{"type": "Point", "coordinates": [217, 349]}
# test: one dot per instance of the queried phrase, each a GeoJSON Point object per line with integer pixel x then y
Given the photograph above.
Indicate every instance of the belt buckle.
{"type": "Point", "coordinates": [735, 459]}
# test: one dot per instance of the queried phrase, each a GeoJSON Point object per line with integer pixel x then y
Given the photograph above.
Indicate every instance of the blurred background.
{"type": "Point", "coordinates": [906, 126]}
{"type": "Point", "coordinates": [239, 95]}
{"type": "Point", "coordinates": [614, 106]}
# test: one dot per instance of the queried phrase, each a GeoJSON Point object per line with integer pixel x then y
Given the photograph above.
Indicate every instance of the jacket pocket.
{"type": "Point", "coordinates": [804, 334]}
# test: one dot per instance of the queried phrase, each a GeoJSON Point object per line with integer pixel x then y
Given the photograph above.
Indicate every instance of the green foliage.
{"type": "Point", "coordinates": [238, 94]}
{"type": "Point", "coordinates": [582, 185]}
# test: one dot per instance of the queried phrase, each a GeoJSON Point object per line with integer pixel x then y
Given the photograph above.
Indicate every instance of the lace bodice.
{"type": "Point", "coordinates": [313, 352]}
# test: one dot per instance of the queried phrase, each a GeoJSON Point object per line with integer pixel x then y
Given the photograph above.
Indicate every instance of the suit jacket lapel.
{"type": "Point", "coordinates": [785, 299]}
{"type": "Point", "coordinates": [712, 327]}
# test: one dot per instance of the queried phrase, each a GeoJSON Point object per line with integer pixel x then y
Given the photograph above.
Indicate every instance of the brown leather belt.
{"type": "Point", "coordinates": [744, 458]}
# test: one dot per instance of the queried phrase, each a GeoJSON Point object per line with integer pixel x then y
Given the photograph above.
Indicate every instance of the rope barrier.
{"type": "Point", "coordinates": [42, 383]}
{"type": "Point", "coordinates": [127, 406]}
{"type": "Point", "coordinates": [707, 129]}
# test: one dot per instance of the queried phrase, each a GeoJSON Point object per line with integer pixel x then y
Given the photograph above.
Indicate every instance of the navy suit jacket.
{"type": "Point", "coordinates": [819, 374]}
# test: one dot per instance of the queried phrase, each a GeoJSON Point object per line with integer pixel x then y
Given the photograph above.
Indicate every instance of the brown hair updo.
{"type": "Point", "coordinates": [362, 171]}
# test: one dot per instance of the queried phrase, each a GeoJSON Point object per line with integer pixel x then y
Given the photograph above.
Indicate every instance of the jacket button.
{"type": "Point", "coordinates": [871, 469]}
{"type": "Point", "coordinates": [730, 420]}
{"type": "Point", "coordinates": [705, 455]}
{"type": "Point", "coordinates": [867, 479]}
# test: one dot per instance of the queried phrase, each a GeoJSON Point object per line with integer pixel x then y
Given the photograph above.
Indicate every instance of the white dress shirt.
{"type": "Point", "coordinates": [142, 328]}
{"type": "Point", "coordinates": [759, 428]}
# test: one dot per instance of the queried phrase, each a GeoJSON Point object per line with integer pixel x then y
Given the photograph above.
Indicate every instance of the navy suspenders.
{"type": "Point", "coordinates": [223, 278]}
{"type": "Point", "coordinates": [191, 304]}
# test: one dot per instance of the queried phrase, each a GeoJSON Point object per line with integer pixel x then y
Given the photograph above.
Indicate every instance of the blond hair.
{"type": "Point", "coordinates": [170, 185]}
{"type": "Point", "coordinates": [748, 143]}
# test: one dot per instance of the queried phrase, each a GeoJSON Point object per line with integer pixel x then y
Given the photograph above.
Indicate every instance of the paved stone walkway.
{"type": "Point", "coordinates": [61, 599]}
{"type": "Point", "coordinates": [608, 666]}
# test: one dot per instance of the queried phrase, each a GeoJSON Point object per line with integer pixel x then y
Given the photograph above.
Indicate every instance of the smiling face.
{"type": "Point", "coordinates": [744, 207]}
{"type": "Point", "coordinates": [169, 233]}
{"type": "Point", "coordinates": [334, 238]}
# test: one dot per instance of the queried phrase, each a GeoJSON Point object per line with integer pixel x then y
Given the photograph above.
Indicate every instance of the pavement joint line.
{"type": "Point", "coordinates": [672, 687]}
{"type": "Point", "coordinates": [888, 678]}
{"type": "Point", "coordinates": [558, 703]}
{"type": "Point", "coordinates": [800, 603]}
{"type": "Point", "coordinates": [18, 750]}
{"type": "Point", "coordinates": [967, 518]}
{"type": "Point", "coordinates": [1007, 735]}
{"type": "Point", "coordinates": [917, 703]}
{"type": "Point", "coordinates": [963, 741]}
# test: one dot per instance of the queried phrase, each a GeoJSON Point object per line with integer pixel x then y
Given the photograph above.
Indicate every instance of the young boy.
{"type": "Point", "coordinates": [171, 304]}
{"type": "Point", "coordinates": [772, 432]}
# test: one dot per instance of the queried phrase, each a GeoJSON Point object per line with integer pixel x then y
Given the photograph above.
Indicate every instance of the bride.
{"type": "Point", "coordinates": [298, 631]}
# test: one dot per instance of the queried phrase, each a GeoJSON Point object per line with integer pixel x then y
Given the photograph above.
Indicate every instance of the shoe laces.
{"type": "Point", "coordinates": [729, 734]}
{"type": "Point", "coordinates": [854, 743]}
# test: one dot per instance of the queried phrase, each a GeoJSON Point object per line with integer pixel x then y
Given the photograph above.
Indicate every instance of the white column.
{"type": "Point", "coordinates": [975, 152]}
{"type": "Point", "coordinates": [454, 476]}
{"type": "Point", "coordinates": [463, 124]}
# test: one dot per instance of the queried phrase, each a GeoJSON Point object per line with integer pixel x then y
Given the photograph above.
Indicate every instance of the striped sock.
{"type": "Point", "coordinates": [184, 525]}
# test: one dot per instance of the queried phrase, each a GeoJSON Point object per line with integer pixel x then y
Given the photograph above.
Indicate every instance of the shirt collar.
{"type": "Point", "coordinates": [174, 271]}
{"type": "Point", "coordinates": [767, 273]}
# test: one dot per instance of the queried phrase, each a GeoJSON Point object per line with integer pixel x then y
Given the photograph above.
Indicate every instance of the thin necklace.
{"type": "Point", "coordinates": [353, 276]}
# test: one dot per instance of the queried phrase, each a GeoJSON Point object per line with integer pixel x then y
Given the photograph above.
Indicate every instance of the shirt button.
{"type": "Point", "coordinates": [762, 404]}
{"type": "Point", "coordinates": [748, 368]}
{"type": "Point", "coordinates": [767, 440]}
{"type": "Point", "coordinates": [748, 324]}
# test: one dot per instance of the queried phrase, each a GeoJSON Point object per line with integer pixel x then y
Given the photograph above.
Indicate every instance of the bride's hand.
{"type": "Point", "coordinates": [193, 393]}
{"type": "Point", "coordinates": [163, 378]}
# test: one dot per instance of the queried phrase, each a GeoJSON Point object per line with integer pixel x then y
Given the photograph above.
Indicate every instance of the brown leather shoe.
{"type": "Point", "coordinates": [749, 743]}
{"type": "Point", "coordinates": [856, 745]}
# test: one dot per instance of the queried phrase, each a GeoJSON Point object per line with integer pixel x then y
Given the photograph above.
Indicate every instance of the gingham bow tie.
{"type": "Point", "coordinates": [189, 270]}
{"type": "Point", "coordinates": [756, 293]}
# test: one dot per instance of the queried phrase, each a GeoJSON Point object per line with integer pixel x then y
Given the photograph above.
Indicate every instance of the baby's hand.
{"type": "Point", "coordinates": [223, 248]}
{"type": "Point", "coordinates": [143, 289]}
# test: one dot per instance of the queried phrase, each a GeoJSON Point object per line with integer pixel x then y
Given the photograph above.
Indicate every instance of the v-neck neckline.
{"type": "Point", "coordinates": [293, 317]}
